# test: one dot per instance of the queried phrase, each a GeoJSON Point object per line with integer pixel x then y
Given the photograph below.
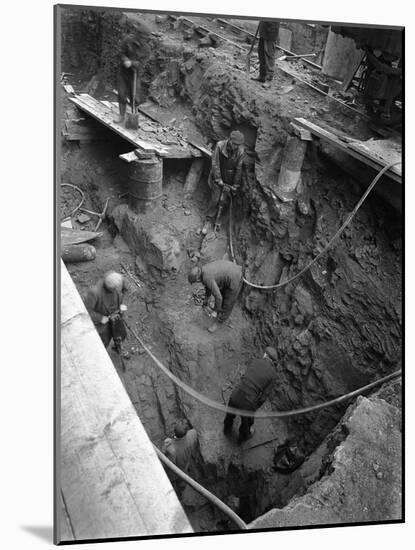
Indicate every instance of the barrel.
{"type": "Point", "coordinates": [145, 181]}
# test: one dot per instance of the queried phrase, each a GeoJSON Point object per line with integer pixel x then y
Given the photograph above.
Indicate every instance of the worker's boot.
{"type": "Point", "coordinates": [213, 328]}
{"type": "Point", "coordinates": [121, 117]}
{"type": "Point", "coordinates": [206, 227]}
{"type": "Point", "coordinates": [243, 439]}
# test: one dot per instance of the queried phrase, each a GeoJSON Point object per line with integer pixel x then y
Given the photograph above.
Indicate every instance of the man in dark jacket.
{"type": "Point", "coordinates": [181, 450]}
{"type": "Point", "coordinates": [251, 392]}
{"type": "Point", "coordinates": [134, 52]}
{"type": "Point", "coordinates": [223, 280]}
{"type": "Point", "coordinates": [105, 305]}
{"type": "Point", "coordinates": [226, 172]}
{"type": "Point", "coordinates": [268, 35]}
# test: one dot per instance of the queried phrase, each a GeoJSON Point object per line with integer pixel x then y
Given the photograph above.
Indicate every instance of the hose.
{"type": "Point", "coordinates": [257, 414]}
{"type": "Point", "coordinates": [338, 232]}
{"type": "Point", "coordinates": [82, 197]}
{"type": "Point", "coordinates": [197, 487]}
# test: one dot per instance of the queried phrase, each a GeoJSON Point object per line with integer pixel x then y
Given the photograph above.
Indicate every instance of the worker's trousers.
{"type": "Point", "coordinates": [240, 400]}
{"type": "Point", "coordinates": [125, 83]}
{"type": "Point", "coordinates": [215, 198]}
{"type": "Point", "coordinates": [230, 296]}
{"type": "Point", "coordinates": [266, 54]}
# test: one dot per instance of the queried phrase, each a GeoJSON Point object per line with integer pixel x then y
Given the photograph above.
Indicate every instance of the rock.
{"type": "Point", "coordinates": [349, 492]}
{"type": "Point", "coordinates": [83, 218]}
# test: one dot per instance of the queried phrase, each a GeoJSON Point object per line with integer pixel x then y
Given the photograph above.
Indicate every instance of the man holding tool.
{"type": "Point", "coordinates": [268, 35]}
{"type": "Point", "coordinates": [223, 280]}
{"type": "Point", "coordinates": [105, 304]}
{"type": "Point", "coordinates": [134, 53]}
{"type": "Point", "coordinates": [225, 175]}
{"type": "Point", "coordinates": [251, 392]}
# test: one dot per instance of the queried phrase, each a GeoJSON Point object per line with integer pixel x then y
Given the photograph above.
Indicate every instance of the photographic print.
{"type": "Point", "coordinates": [229, 225]}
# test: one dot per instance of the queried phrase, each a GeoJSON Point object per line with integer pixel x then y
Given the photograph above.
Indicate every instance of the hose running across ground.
{"type": "Point", "coordinates": [200, 489]}
{"type": "Point", "coordinates": [328, 245]}
{"type": "Point", "coordinates": [257, 414]}
{"type": "Point", "coordinates": [82, 197]}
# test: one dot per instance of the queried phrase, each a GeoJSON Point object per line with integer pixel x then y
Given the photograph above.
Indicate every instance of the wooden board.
{"type": "Point", "coordinates": [75, 236]}
{"type": "Point", "coordinates": [110, 478]}
{"type": "Point", "coordinates": [351, 148]}
{"type": "Point", "coordinates": [383, 151]}
{"type": "Point", "coordinates": [104, 112]}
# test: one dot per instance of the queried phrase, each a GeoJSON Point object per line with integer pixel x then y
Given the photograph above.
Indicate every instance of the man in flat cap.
{"type": "Point", "coordinates": [251, 392]}
{"type": "Point", "coordinates": [226, 173]}
{"type": "Point", "coordinates": [223, 280]}
{"type": "Point", "coordinates": [134, 53]}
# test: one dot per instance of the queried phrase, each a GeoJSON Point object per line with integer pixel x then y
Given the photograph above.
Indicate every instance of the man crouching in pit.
{"type": "Point", "coordinates": [223, 280]}
{"type": "Point", "coordinates": [105, 304]}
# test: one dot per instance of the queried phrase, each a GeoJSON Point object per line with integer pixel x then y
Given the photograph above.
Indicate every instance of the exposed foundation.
{"type": "Point", "coordinates": [336, 328]}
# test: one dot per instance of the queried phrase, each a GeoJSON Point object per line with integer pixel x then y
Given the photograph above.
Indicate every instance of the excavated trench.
{"type": "Point", "coordinates": [337, 328]}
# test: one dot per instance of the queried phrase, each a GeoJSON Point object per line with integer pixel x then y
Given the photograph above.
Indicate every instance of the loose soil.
{"type": "Point", "coordinates": [337, 328]}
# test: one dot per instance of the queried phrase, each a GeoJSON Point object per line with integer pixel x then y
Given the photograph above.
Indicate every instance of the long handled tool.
{"type": "Point", "coordinates": [251, 49]}
{"type": "Point", "coordinates": [132, 119]}
{"type": "Point", "coordinates": [221, 204]}
{"type": "Point", "coordinates": [300, 56]}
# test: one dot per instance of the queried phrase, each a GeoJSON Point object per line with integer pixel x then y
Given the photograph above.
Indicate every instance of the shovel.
{"type": "Point", "coordinates": [289, 57]}
{"type": "Point", "coordinates": [251, 49]}
{"type": "Point", "coordinates": [132, 119]}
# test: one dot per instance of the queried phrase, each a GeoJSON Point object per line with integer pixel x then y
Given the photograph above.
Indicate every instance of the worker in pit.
{"type": "Point", "coordinates": [181, 450]}
{"type": "Point", "coordinates": [105, 304]}
{"type": "Point", "coordinates": [223, 280]}
{"type": "Point", "coordinates": [225, 175]}
{"type": "Point", "coordinates": [134, 53]}
{"type": "Point", "coordinates": [268, 35]}
{"type": "Point", "coordinates": [251, 392]}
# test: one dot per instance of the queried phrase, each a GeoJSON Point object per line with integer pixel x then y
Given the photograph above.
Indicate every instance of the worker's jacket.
{"type": "Point", "coordinates": [257, 381]}
{"type": "Point", "coordinates": [180, 450]}
{"type": "Point", "coordinates": [136, 49]}
{"type": "Point", "coordinates": [220, 276]}
{"type": "Point", "coordinates": [268, 30]}
{"type": "Point", "coordinates": [227, 168]}
{"type": "Point", "coordinates": [101, 302]}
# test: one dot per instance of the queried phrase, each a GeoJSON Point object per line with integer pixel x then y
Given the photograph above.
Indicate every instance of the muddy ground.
{"type": "Point", "coordinates": [336, 329]}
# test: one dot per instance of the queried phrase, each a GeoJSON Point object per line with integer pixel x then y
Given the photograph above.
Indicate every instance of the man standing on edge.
{"type": "Point", "coordinates": [268, 35]}
{"type": "Point", "coordinates": [223, 280]}
{"type": "Point", "coordinates": [226, 172]}
{"type": "Point", "coordinates": [134, 53]}
{"type": "Point", "coordinates": [251, 392]}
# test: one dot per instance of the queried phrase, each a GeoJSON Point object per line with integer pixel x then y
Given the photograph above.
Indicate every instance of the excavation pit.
{"type": "Point", "coordinates": [336, 328]}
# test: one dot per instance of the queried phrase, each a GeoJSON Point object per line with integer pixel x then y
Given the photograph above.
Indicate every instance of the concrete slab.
{"type": "Point", "coordinates": [110, 479]}
{"type": "Point", "coordinates": [364, 483]}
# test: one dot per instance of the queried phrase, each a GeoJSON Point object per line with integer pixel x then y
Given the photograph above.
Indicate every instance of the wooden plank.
{"type": "Point", "coordinates": [104, 114]}
{"type": "Point", "coordinates": [332, 98]}
{"type": "Point", "coordinates": [346, 147]}
{"type": "Point", "coordinates": [93, 109]}
{"type": "Point", "coordinates": [74, 236]}
{"type": "Point", "coordinates": [383, 151]}
{"type": "Point", "coordinates": [352, 71]}
{"type": "Point", "coordinates": [112, 482]}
